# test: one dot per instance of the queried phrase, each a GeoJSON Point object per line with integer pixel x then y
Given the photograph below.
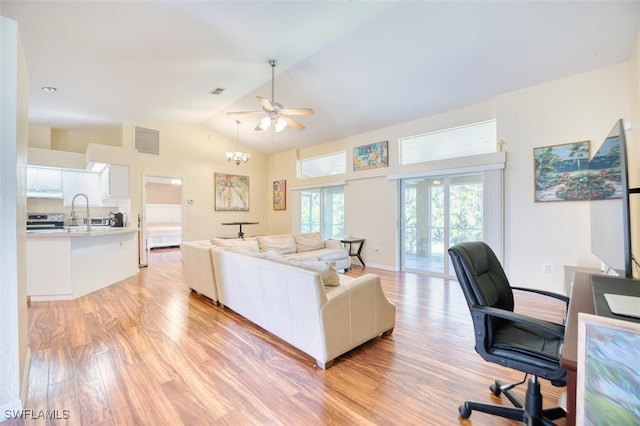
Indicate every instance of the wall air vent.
{"type": "Point", "coordinates": [147, 141]}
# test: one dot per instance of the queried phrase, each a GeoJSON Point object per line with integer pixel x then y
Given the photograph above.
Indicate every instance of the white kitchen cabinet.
{"type": "Point", "coordinates": [81, 182]}
{"type": "Point", "coordinates": [44, 182]}
{"type": "Point", "coordinates": [68, 265]}
{"type": "Point", "coordinates": [115, 181]}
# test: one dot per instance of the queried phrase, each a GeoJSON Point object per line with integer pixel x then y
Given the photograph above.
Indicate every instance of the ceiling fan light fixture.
{"type": "Point", "coordinates": [265, 123]}
{"type": "Point", "coordinates": [280, 124]}
{"type": "Point", "coordinates": [277, 116]}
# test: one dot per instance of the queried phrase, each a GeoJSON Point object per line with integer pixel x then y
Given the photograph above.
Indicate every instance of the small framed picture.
{"type": "Point", "coordinates": [608, 371]}
{"type": "Point", "coordinates": [280, 195]}
{"type": "Point", "coordinates": [371, 156]}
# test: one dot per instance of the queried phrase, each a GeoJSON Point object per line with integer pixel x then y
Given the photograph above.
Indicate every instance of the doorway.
{"type": "Point", "coordinates": [162, 214]}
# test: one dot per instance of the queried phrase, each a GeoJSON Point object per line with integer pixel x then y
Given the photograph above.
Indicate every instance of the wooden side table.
{"type": "Point", "coordinates": [349, 242]}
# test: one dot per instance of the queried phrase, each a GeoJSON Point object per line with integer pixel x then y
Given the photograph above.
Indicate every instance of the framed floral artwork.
{"type": "Point", "coordinates": [561, 172]}
{"type": "Point", "coordinates": [231, 192]}
{"type": "Point", "coordinates": [280, 195]}
{"type": "Point", "coordinates": [371, 156]}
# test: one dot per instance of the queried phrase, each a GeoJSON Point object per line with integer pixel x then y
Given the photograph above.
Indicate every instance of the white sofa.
{"type": "Point", "coordinates": [295, 246]}
{"type": "Point", "coordinates": [294, 304]}
{"type": "Point", "coordinates": [196, 256]}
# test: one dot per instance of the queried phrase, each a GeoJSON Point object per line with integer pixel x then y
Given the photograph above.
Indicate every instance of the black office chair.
{"type": "Point", "coordinates": [507, 338]}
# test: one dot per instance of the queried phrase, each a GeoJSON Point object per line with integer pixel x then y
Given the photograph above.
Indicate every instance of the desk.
{"type": "Point", "coordinates": [240, 233]}
{"type": "Point", "coordinates": [348, 243]}
{"type": "Point", "coordinates": [581, 301]}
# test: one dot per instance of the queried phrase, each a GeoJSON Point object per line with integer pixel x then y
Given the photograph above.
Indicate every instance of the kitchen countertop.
{"type": "Point", "coordinates": [78, 231]}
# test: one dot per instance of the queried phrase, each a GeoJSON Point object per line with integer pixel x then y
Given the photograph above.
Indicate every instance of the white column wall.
{"type": "Point", "coordinates": [13, 141]}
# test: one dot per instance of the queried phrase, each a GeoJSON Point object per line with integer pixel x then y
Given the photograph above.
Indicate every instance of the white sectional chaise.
{"type": "Point", "coordinates": [294, 304]}
{"type": "Point", "coordinates": [298, 298]}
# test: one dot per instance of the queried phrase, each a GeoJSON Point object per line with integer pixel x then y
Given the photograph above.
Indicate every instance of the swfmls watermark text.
{"type": "Point", "coordinates": [27, 414]}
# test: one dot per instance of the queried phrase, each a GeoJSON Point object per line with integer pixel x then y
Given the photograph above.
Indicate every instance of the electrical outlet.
{"type": "Point", "coordinates": [547, 268]}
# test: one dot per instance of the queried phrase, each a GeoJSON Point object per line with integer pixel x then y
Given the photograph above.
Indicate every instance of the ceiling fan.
{"type": "Point", "coordinates": [275, 114]}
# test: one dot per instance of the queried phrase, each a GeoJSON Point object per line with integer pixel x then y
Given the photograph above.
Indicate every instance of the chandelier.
{"type": "Point", "coordinates": [238, 156]}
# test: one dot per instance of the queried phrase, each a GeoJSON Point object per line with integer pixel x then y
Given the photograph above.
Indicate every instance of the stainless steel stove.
{"type": "Point", "coordinates": [45, 221]}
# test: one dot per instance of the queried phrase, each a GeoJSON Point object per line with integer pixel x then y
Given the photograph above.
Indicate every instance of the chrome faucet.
{"type": "Point", "coordinates": [73, 220]}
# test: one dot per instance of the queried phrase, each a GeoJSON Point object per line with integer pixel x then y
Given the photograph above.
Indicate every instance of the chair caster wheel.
{"type": "Point", "coordinates": [495, 389]}
{"type": "Point", "coordinates": [465, 412]}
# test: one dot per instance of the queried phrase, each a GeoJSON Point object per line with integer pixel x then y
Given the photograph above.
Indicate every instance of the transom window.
{"type": "Point", "coordinates": [474, 139]}
{"type": "Point", "coordinates": [325, 165]}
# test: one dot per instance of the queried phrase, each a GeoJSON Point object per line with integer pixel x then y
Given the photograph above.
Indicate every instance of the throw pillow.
{"type": "Point", "coordinates": [327, 270]}
{"type": "Point", "coordinates": [308, 241]}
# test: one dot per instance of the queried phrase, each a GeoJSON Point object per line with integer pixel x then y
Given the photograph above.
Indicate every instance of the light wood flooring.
{"type": "Point", "coordinates": [146, 351]}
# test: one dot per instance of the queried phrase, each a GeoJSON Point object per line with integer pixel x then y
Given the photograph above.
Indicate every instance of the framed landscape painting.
{"type": "Point", "coordinates": [231, 192]}
{"type": "Point", "coordinates": [371, 156]}
{"type": "Point", "coordinates": [280, 195]}
{"type": "Point", "coordinates": [608, 371]}
{"type": "Point", "coordinates": [562, 172]}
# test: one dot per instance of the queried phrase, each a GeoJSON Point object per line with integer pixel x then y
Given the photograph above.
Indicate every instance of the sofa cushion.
{"type": "Point", "coordinates": [331, 254]}
{"type": "Point", "coordinates": [283, 244]}
{"type": "Point", "coordinates": [242, 250]}
{"type": "Point", "coordinates": [308, 241]}
{"type": "Point", "coordinates": [303, 256]}
{"type": "Point", "coordinates": [248, 244]}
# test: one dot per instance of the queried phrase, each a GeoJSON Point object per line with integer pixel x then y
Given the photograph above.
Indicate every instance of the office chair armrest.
{"type": "Point", "coordinates": [558, 296]}
{"type": "Point", "coordinates": [548, 326]}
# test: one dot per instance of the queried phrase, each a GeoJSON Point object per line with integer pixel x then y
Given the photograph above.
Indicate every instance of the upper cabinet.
{"type": "Point", "coordinates": [81, 182]}
{"type": "Point", "coordinates": [105, 188]}
{"type": "Point", "coordinates": [115, 181]}
{"type": "Point", "coordinates": [44, 182]}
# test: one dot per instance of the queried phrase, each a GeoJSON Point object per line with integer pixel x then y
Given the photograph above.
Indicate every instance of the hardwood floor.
{"type": "Point", "coordinates": [146, 351]}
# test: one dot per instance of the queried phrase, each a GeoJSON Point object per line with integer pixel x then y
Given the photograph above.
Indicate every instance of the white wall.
{"type": "Point", "coordinates": [13, 142]}
{"type": "Point", "coordinates": [188, 153]}
{"type": "Point", "coordinates": [582, 107]}
{"type": "Point", "coordinates": [371, 200]}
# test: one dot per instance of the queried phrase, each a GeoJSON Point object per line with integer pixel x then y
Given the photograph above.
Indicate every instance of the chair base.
{"type": "Point", "coordinates": [529, 412]}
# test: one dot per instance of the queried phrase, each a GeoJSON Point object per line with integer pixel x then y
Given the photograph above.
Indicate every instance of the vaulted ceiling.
{"type": "Point", "coordinates": [359, 65]}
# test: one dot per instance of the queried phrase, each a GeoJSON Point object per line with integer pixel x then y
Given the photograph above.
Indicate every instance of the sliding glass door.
{"type": "Point", "coordinates": [437, 212]}
{"type": "Point", "coordinates": [322, 210]}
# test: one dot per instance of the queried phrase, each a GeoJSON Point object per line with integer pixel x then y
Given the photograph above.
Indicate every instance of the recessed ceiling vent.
{"type": "Point", "coordinates": [147, 141]}
{"type": "Point", "coordinates": [216, 91]}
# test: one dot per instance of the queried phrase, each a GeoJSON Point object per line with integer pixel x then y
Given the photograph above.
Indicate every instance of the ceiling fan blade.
{"type": "Point", "coordinates": [297, 111]}
{"type": "Point", "coordinates": [258, 128]}
{"type": "Point", "coordinates": [245, 112]}
{"type": "Point", "coordinates": [293, 123]}
{"type": "Point", "coordinates": [266, 103]}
